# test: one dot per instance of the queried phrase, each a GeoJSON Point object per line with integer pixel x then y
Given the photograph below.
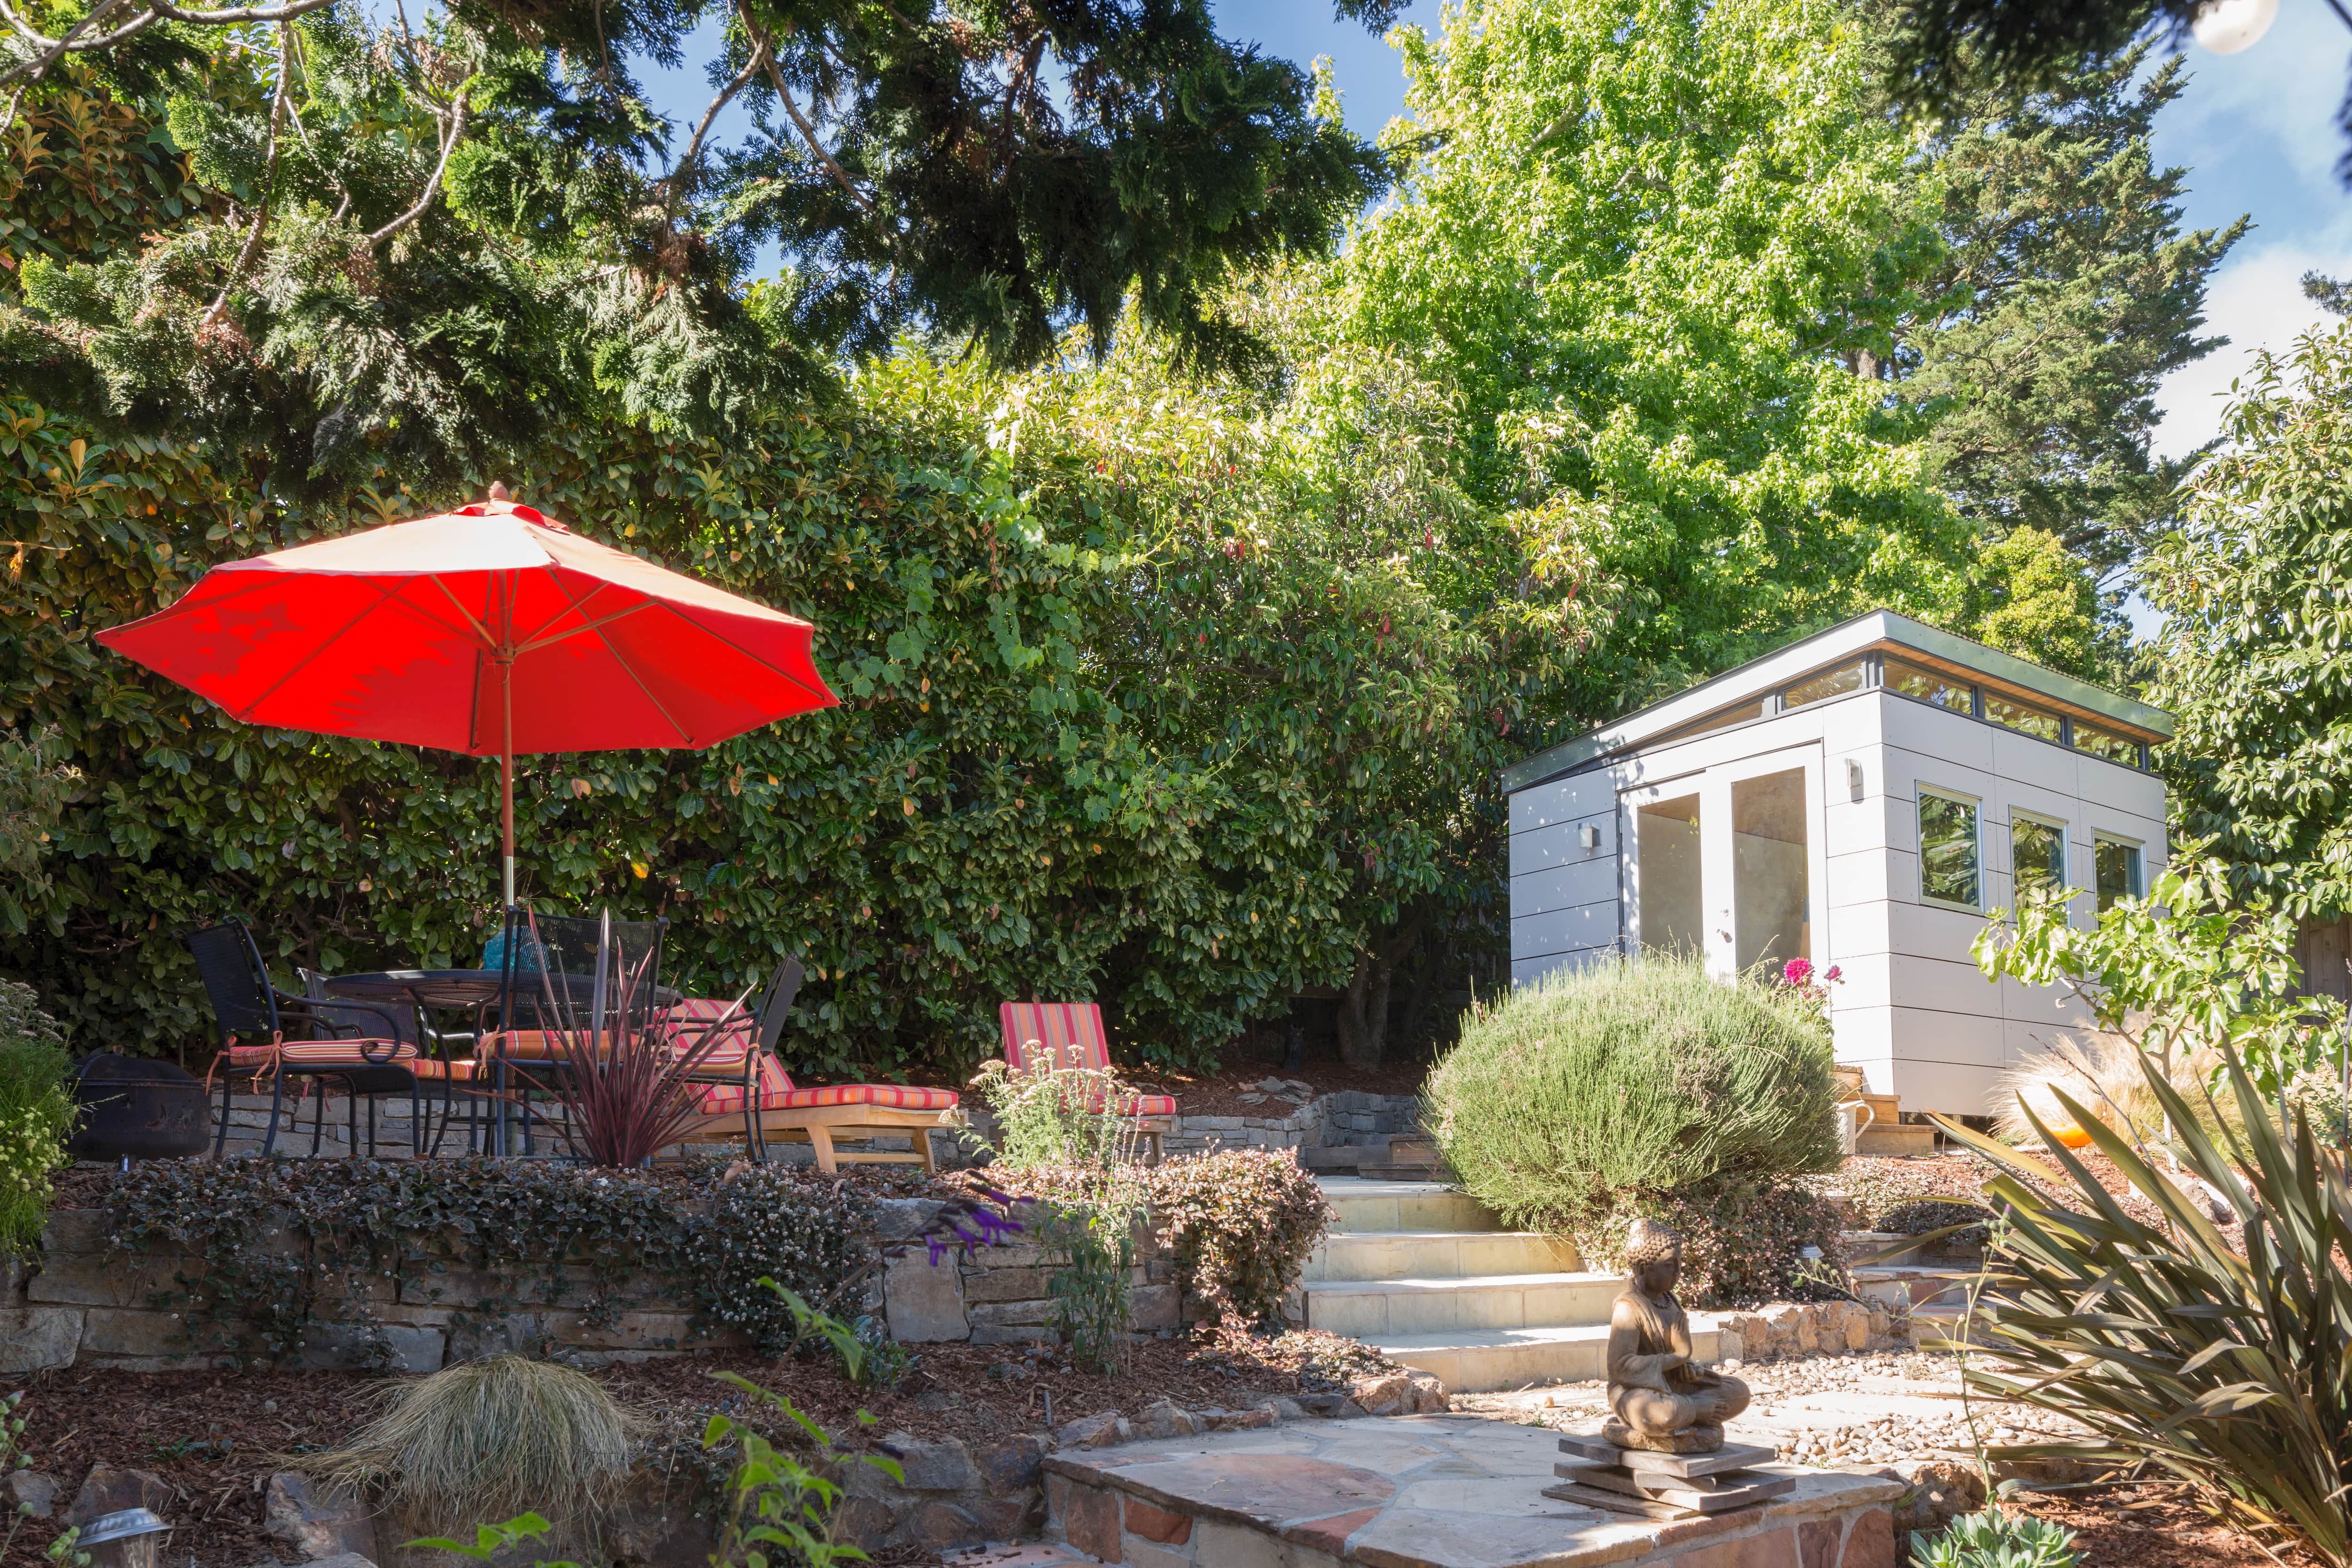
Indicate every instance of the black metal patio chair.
{"type": "Point", "coordinates": [739, 1071]}
{"type": "Point", "coordinates": [445, 1060]}
{"type": "Point", "coordinates": [343, 1046]}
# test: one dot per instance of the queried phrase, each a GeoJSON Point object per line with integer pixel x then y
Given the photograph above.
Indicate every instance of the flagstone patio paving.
{"type": "Point", "coordinates": [1429, 1491]}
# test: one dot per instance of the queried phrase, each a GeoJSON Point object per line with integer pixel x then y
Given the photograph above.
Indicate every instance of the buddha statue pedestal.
{"type": "Point", "coordinates": [1663, 1454]}
{"type": "Point", "coordinates": [1596, 1473]}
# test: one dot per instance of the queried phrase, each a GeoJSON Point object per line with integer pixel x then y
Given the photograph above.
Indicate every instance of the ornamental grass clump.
{"type": "Point", "coordinates": [1567, 1097]}
{"type": "Point", "coordinates": [488, 1439]}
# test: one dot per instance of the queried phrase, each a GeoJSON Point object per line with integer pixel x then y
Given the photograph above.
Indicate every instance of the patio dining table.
{"type": "Point", "coordinates": [470, 990]}
{"type": "Point", "coordinates": [454, 989]}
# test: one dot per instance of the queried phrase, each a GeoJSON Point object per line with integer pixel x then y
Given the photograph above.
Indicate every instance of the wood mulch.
{"type": "Point", "coordinates": [2145, 1528]}
{"type": "Point", "coordinates": [217, 1436]}
{"type": "Point", "coordinates": [1219, 1093]}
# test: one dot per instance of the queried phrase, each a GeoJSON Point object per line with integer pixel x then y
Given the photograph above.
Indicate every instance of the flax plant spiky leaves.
{"type": "Point", "coordinates": [2231, 1370]}
{"type": "Point", "coordinates": [628, 1089]}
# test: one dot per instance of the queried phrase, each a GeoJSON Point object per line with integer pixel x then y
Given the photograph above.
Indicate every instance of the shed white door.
{"type": "Point", "coordinates": [1726, 863]}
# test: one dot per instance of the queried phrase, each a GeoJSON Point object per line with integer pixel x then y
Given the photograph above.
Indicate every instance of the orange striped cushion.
{"type": "Point", "coordinates": [465, 1069]}
{"type": "Point", "coordinates": [325, 1053]}
{"type": "Point", "coordinates": [896, 1096]}
{"type": "Point", "coordinates": [726, 1099]}
{"type": "Point", "coordinates": [1069, 1033]}
{"type": "Point", "coordinates": [532, 1045]}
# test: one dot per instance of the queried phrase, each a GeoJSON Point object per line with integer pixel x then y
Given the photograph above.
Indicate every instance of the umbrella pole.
{"type": "Point", "coordinates": [505, 772]}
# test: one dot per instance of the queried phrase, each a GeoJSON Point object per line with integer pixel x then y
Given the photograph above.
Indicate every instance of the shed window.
{"type": "Point", "coordinates": [1730, 716]}
{"type": "Point", "coordinates": [2019, 716]}
{"type": "Point", "coordinates": [1927, 686]}
{"type": "Point", "coordinates": [1828, 683]}
{"type": "Point", "coordinates": [2117, 862]}
{"type": "Point", "coordinates": [2107, 743]}
{"type": "Point", "coordinates": [1950, 862]}
{"type": "Point", "coordinates": [2037, 856]}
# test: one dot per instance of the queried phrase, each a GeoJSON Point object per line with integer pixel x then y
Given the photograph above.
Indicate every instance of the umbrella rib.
{"type": "Point", "coordinates": [817, 691]}
{"type": "Point", "coordinates": [539, 642]}
{"type": "Point", "coordinates": [298, 666]}
{"type": "Point", "coordinates": [618, 657]}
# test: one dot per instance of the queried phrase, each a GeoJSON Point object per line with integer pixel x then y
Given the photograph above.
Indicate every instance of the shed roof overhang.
{"type": "Point", "coordinates": [1879, 629]}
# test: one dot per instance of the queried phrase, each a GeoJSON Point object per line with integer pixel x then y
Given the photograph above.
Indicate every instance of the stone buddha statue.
{"type": "Point", "coordinates": [1661, 1399]}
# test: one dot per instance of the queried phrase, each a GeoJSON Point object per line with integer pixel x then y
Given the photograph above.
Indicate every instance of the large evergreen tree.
{"type": "Point", "coordinates": [2067, 292]}
{"type": "Point", "coordinates": [418, 242]}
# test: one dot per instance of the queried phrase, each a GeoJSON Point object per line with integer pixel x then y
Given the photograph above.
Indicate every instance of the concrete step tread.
{"type": "Point", "coordinates": [1358, 1187]}
{"type": "Point", "coordinates": [1466, 1282]}
{"type": "Point", "coordinates": [1371, 1235]}
{"type": "Point", "coordinates": [1504, 1339]}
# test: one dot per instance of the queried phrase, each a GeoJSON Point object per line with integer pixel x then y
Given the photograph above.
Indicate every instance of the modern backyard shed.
{"type": "Point", "coordinates": [1861, 799]}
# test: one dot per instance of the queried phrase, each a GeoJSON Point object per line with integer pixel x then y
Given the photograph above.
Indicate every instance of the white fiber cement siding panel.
{"type": "Point", "coordinates": [1564, 931]}
{"type": "Point", "coordinates": [1562, 844]}
{"type": "Point", "coordinates": [1567, 800]}
{"type": "Point", "coordinates": [1591, 881]}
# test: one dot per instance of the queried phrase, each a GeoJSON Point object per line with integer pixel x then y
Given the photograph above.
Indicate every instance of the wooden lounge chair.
{"type": "Point", "coordinates": [1070, 1035]}
{"type": "Point", "coordinates": [745, 1093]}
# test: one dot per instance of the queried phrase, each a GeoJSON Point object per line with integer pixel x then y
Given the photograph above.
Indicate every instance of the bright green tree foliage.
{"type": "Point", "coordinates": [1640, 237]}
{"type": "Point", "coordinates": [2253, 584]}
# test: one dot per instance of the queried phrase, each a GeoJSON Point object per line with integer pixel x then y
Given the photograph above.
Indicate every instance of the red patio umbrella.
{"type": "Point", "coordinates": [492, 630]}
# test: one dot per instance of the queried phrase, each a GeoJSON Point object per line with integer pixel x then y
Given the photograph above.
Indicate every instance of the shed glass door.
{"type": "Point", "coordinates": [1725, 865]}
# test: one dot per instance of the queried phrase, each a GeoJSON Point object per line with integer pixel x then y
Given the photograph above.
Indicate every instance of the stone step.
{"type": "Point", "coordinates": [1438, 1255]}
{"type": "Point", "coordinates": [1910, 1286]}
{"type": "Point", "coordinates": [1896, 1140]}
{"type": "Point", "coordinates": [1377, 1309]}
{"type": "Point", "coordinates": [1488, 1359]}
{"type": "Point", "coordinates": [1385, 1206]}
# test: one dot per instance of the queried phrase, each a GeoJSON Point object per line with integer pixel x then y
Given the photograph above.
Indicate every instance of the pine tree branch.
{"type": "Point", "coordinates": [252, 246]}
{"type": "Point", "coordinates": [433, 186]}
{"type": "Point", "coordinates": [71, 40]}
{"type": "Point", "coordinates": [808, 132]}
{"type": "Point", "coordinates": [693, 154]}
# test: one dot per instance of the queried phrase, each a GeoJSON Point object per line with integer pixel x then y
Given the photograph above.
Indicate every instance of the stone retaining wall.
{"type": "Point", "coordinates": [1326, 1119]}
{"type": "Point", "coordinates": [83, 1302]}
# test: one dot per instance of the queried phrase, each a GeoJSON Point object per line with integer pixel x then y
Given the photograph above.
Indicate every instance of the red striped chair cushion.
{"type": "Point", "coordinates": [1065, 1034]}
{"type": "Point", "coordinates": [686, 1024]}
{"type": "Point", "coordinates": [895, 1096]}
{"type": "Point", "coordinates": [325, 1053]}
{"type": "Point", "coordinates": [1148, 1105]}
{"type": "Point", "coordinates": [726, 1099]}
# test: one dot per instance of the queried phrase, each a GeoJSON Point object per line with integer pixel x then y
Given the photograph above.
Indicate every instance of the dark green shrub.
{"type": "Point", "coordinates": [1743, 1242]}
{"type": "Point", "coordinates": [1240, 1223]}
{"type": "Point", "coordinates": [1567, 1095]}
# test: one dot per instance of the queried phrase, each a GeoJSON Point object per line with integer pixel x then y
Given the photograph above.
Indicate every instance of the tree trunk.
{"type": "Point", "coordinates": [1363, 1017]}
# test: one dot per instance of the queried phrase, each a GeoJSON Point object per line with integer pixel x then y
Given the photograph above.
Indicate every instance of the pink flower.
{"type": "Point", "coordinates": [1797, 971]}
{"type": "Point", "coordinates": [1832, 973]}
